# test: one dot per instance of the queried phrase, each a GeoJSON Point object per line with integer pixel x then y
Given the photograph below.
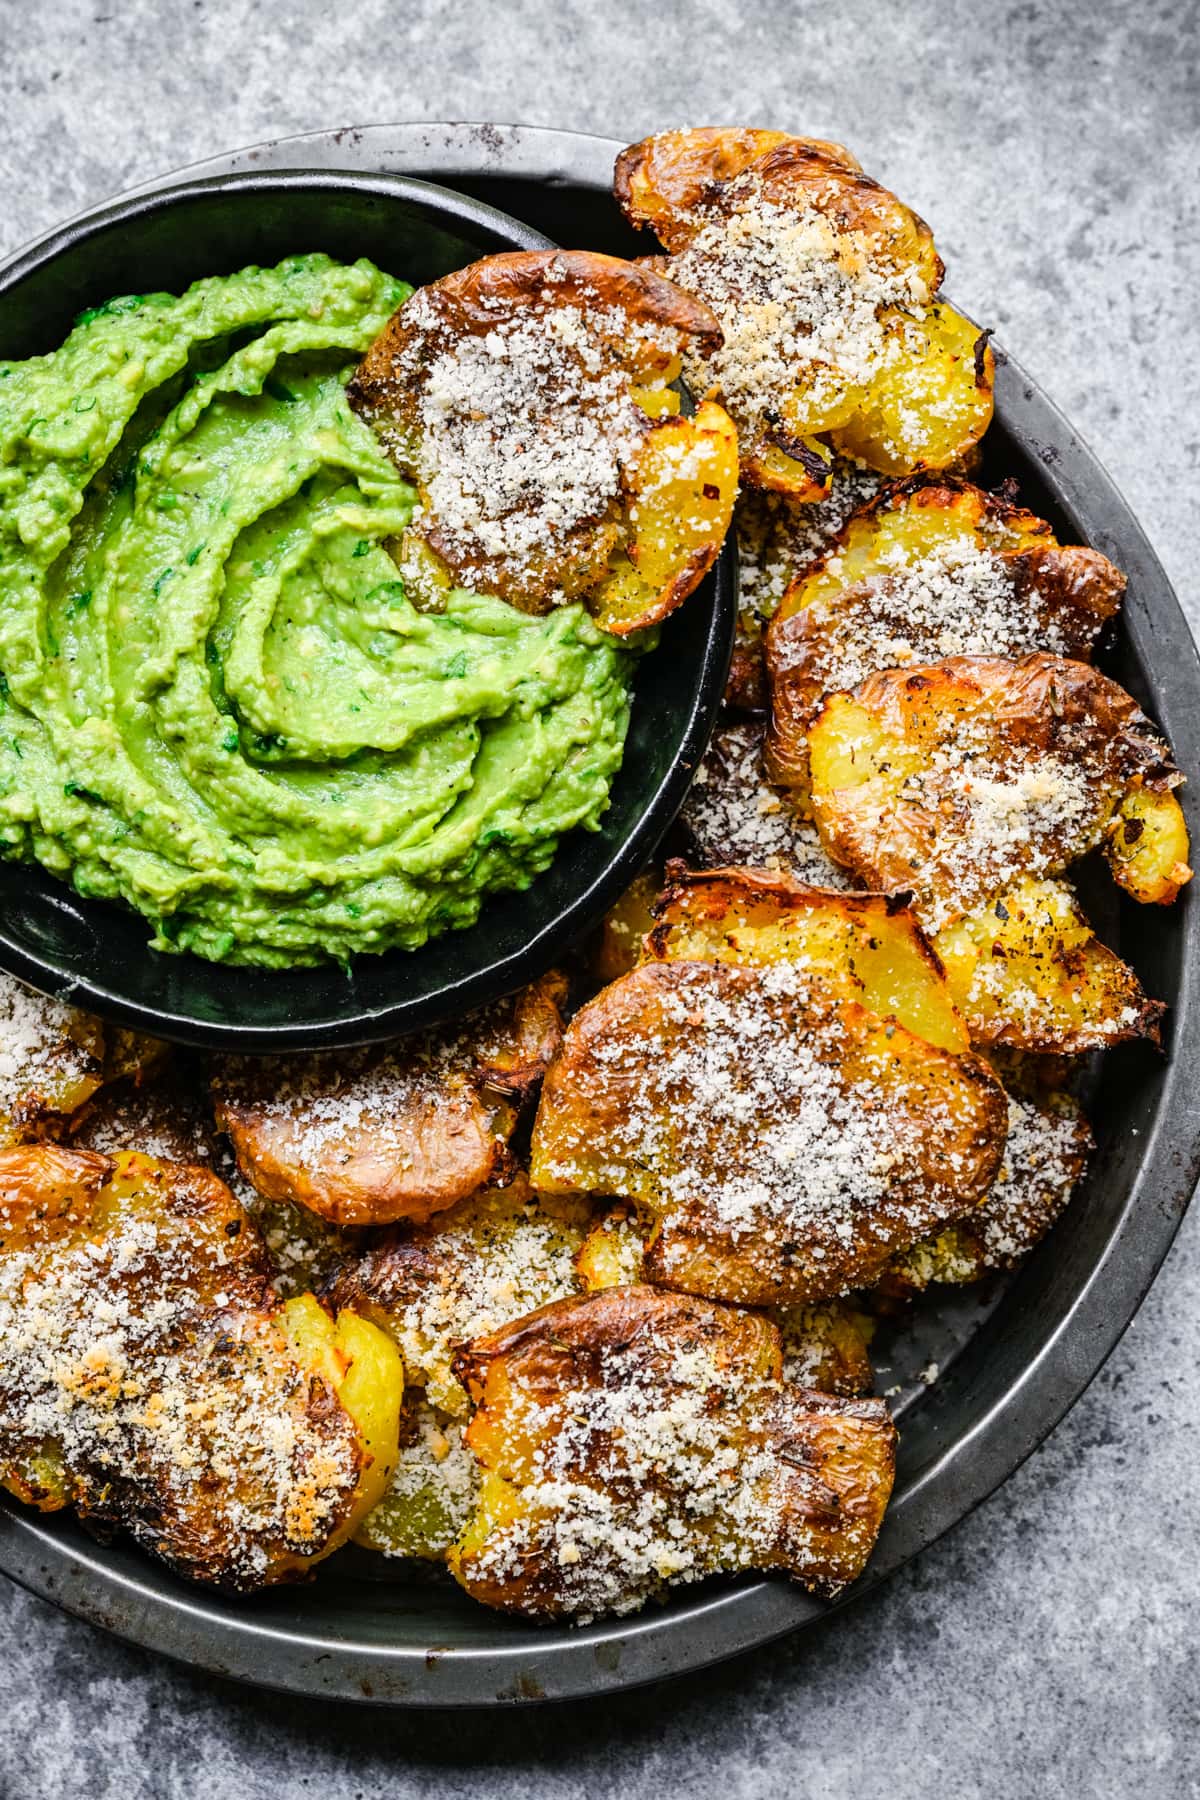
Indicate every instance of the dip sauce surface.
{"type": "Point", "coordinates": [216, 701]}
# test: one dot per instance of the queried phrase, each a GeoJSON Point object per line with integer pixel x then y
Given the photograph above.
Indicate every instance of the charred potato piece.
{"type": "Point", "coordinates": [1044, 1158]}
{"type": "Point", "coordinates": [778, 537]}
{"type": "Point", "coordinates": [150, 1377]}
{"type": "Point", "coordinates": [791, 244]}
{"type": "Point", "coordinates": [956, 780]}
{"type": "Point", "coordinates": [785, 1143]}
{"type": "Point", "coordinates": [529, 396]}
{"type": "Point", "coordinates": [169, 1118]}
{"type": "Point", "coordinates": [735, 814]}
{"type": "Point", "coordinates": [824, 1347]}
{"type": "Point", "coordinates": [370, 1137]}
{"type": "Point", "coordinates": [433, 1490]}
{"type": "Point", "coordinates": [927, 570]}
{"type": "Point", "coordinates": [53, 1058]}
{"type": "Point", "coordinates": [861, 947]}
{"type": "Point", "coordinates": [487, 1260]}
{"type": "Point", "coordinates": [633, 1440]}
{"type": "Point", "coordinates": [1027, 971]}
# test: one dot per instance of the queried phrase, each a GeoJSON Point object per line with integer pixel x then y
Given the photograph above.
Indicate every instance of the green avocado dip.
{"type": "Point", "coordinates": [216, 702]}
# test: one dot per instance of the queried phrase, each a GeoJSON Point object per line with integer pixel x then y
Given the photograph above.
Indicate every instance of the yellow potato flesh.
{"type": "Point", "coordinates": [1147, 846]}
{"type": "Point", "coordinates": [925, 409]}
{"type": "Point", "coordinates": [362, 1366]}
{"type": "Point", "coordinates": [875, 959]}
{"type": "Point", "coordinates": [1038, 977]}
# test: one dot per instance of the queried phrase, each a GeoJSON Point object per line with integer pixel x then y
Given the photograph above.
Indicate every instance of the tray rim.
{"type": "Point", "coordinates": [198, 1629]}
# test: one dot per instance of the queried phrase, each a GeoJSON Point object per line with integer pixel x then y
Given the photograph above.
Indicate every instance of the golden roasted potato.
{"type": "Point", "coordinates": [625, 925]}
{"type": "Point", "coordinates": [489, 1259]}
{"type": "Point", "coordinates": [170, 1118]}
{"type": "Point", "coordinates": [432, 1493]}
{"type": "Point", "coordinates": [926, 570]}
{"type": "Point", "coordinates": [53, 1058]}
{"type": "Point", "coordinates": [734, 814]}
{"type": "Point", "coordinates": [370, 1137]}
{"type": "Point", "coordinates": [861, 947]}
{"type": "Point", "coordinates": [824, 1347]}
{"type": "Point", "coordinates": [1044, 1157]}
{"type": "Point", "coordinates": [792, 245]}
{"type": "Point", "coordinates": [633, 1440]}
{"type": "Point", "coordinates": [786, 1142]}
{"type": "Point", "coordinates": [150, 1377]}
{"type": "Point", "coordinates": [954, 781]}
{"type": "Point", "coordinates": [777, 538]}
{"type": "Point", "coordinates": [529, 396]}
{"type": "Point", "coordinates": [165, 1118]}
{"type": "Point", "coordinates": [1027, 971]}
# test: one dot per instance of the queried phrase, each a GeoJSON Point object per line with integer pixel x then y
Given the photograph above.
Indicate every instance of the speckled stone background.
{"type": "Point", "coordinates": [1049, 1646]}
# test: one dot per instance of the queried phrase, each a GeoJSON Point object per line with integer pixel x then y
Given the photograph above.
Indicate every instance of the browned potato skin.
{"type": "Point", "coordinates": [665, 177]}
{"type": "Point", "coordinates": [468, 298]}
{"type": "Point", "coordinates": [1029, 704]}
{"type": "Point", "coordinates": [966, 1250]}
{"type": "Point", "coordinates": [662, 181]}
{"type": "Point", "coordinates": [49, 1195]}
{"type": "Point", "coordinates": [444, 1139]}
{"type": "Point", "coordinates": [1076, 588]}
{"type": "Point", "coordinates": [580, 1141]}
{"type": "Point", "coordinates": [468, 303]}
{"type": "Point", "coordinates": [825, 1346]}
{"type": "Point", "coordinates": [57, 1083]}
{"type": "Point", "coordinates": [834, 1458]}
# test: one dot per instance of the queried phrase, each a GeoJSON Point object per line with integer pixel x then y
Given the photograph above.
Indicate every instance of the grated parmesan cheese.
{"type": "Point", "coordinates": [733, 814]}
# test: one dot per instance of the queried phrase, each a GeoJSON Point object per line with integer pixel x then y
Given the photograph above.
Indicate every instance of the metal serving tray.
{"type": "Point", "coordinates": [1011, 1361]}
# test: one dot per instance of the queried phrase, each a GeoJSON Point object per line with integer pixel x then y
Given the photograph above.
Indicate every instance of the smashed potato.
{"type": "Point", "coordinates": [53, 1058]}
{"type": "Point", "coordinates": [530, 398]}
{"type": "Point", "coordinates": [369, 1137]}
{"type": "Point", "coordinates": [150, 1378]}
{"type": "Point", "coordinates": [925, 571]}
{"type": "Point", "coordinates": [954, 781]}
{"type": "Point", "coordinates": [633, 1440]}
{"type": "Point", "coordinates": [785, 1142]}
{"type": "Point", "coordinates": [861, 947]}
{"type": "Point", "coordinates": [1027, 971]}
{"type": "Point", "coordinates": [824, 285]}
{"type": "Point", "coordinates": [489, 1259]}
{"type": "Point", "coordinates": [734, 813]}
{"type": "Point", "coordinates": [1044, 1157]}
{"type": "Point", "coordinates": [777, 538]}
{"type": "Point", "coordinates": [824, 1347]}
{"type": "Point", "coordinates": [170, 1118]}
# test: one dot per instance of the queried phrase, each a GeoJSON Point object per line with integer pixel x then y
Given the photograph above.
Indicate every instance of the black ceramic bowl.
{"type": "Point", "coordinates": [1011, 1358]}
{"type": "Point", "coordinates": [96, 952]}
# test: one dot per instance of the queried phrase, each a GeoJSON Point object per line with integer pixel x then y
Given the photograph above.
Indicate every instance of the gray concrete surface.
{"type": "Point", "coordinates": [1048, 1647]}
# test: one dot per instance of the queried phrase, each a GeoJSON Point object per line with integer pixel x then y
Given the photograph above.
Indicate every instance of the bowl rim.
{"type": "Point", "coordinates": [703, 1628]}
{"type": "Point", "coordinates": [502, 971]}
